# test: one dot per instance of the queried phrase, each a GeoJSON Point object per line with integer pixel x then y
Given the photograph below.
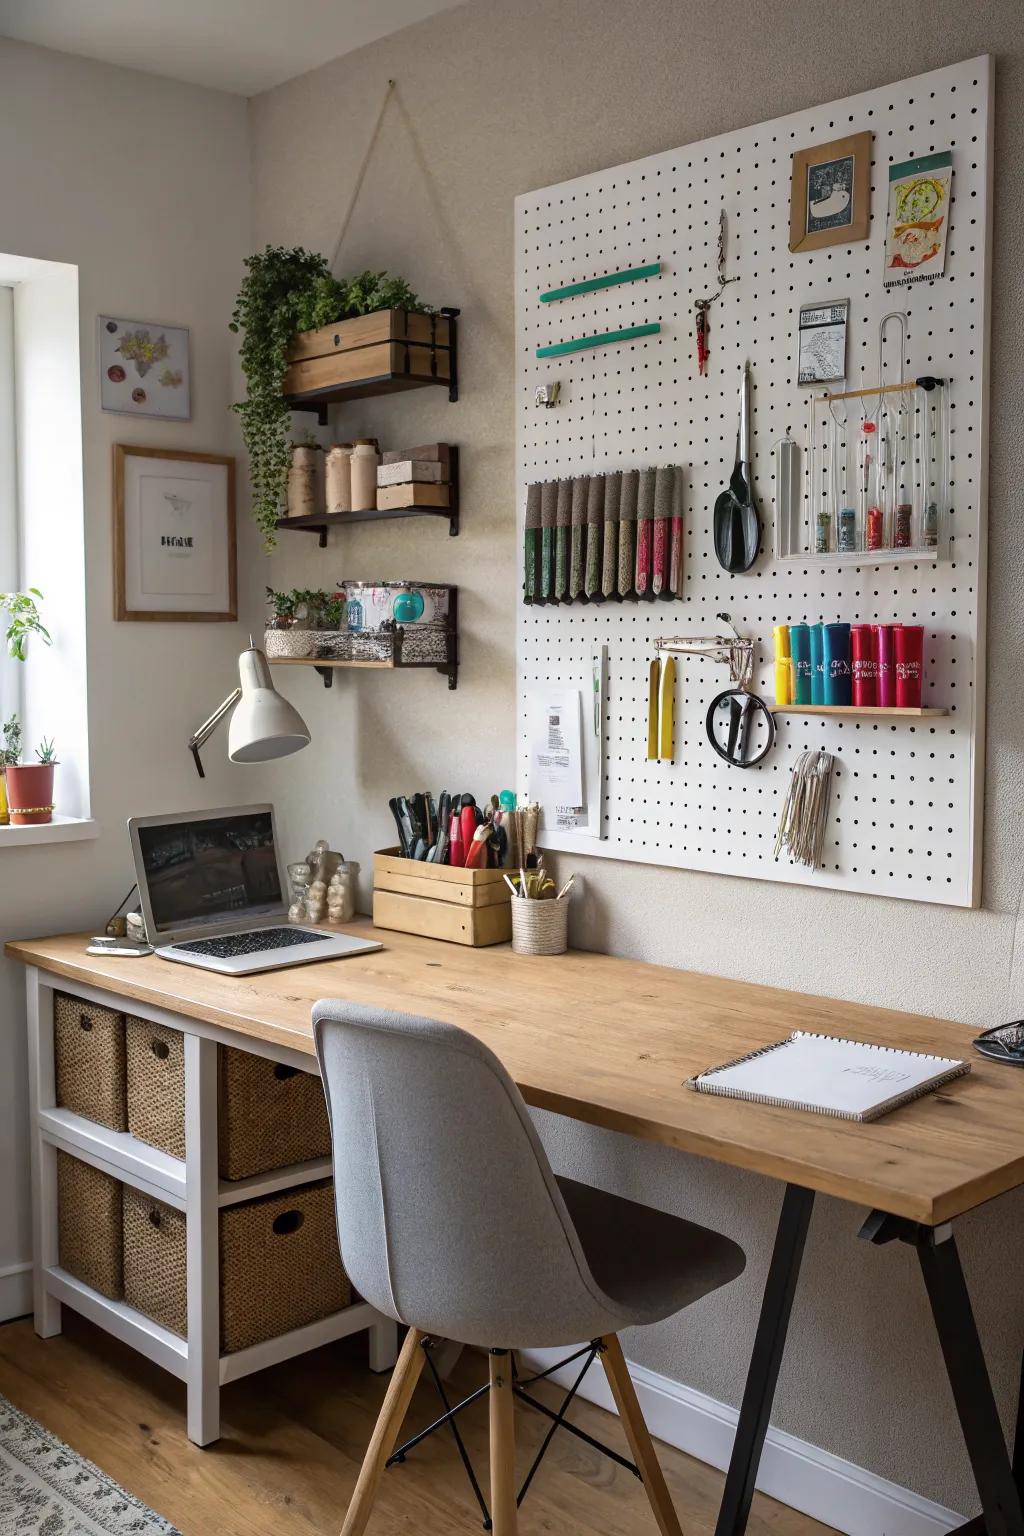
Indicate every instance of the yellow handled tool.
{"type": "Point", "coordinates": [661, 695]}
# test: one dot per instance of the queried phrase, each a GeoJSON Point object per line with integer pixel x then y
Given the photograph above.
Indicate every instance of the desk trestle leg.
{"type": "Point", "coordinates": [42, 1095]}
{"type": "Point", "coordinates": [769, 1344]}
{"type": "Point", "coordinates": [202, 1239]}
{"type": "Point", "coordinates": [997, 1480]}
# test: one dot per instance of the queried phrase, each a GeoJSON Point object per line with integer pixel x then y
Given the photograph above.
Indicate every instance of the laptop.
{"type": "Point", "coordinates": [212, 886]}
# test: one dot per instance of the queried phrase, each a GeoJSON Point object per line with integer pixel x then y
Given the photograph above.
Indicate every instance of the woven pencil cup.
{"type": "Point", "coordinates": [539, 927]}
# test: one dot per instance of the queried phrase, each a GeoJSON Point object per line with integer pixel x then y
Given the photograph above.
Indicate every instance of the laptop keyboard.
{"type": "Point", "coordinates": [233, 944]}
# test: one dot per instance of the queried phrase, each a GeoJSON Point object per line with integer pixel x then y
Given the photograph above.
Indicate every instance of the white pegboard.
{"type": "Point", "coordinates": [906, 805]}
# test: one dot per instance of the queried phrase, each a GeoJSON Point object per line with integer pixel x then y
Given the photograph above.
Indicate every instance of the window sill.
{"type": "Point", "coordinates": [62, 829]}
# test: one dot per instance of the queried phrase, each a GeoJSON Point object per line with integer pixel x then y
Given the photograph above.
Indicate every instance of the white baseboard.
{"type": "Point", "coordinates": [15, 1291]}
{"type": "Point", "coordinates": [841, 1495]}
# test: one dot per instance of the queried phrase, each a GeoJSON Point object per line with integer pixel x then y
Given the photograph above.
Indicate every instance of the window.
{"type": "Point", "coordinates": [42, 532]}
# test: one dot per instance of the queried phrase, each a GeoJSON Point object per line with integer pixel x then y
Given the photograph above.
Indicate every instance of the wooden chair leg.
{"type": "Point", "coordinates": [504, 1515]}
{"type": "Point", "coordinates": [638, 1436]}
{"type": "Point", "coordinates": [385, 1434]}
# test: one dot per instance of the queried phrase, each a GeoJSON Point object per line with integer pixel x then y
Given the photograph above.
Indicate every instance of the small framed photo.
{"type": "Point", "coordinates": [144, 368]}
{"type": "Point", "coordinates": [174, 535]}
{"type": "Point", "coordinates": [822, 351]}
{"type": "Point", "coordinates": [831, 198]}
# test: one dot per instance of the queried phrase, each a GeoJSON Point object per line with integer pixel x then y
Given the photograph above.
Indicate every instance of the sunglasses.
{"type": "Point", "coordinates": [1005, 1043]}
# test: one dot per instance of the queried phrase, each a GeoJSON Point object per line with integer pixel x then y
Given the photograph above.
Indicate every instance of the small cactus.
{"type": "Point", "coordinates": [46, 752]}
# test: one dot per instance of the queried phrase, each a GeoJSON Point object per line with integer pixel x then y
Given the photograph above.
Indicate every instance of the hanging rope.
{"type": "Point", "coordinates": [361, 175]}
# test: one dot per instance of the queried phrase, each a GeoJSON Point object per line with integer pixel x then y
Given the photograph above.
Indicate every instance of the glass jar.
{"type": "Point", "coordinates": [338, 477]}
{"type": "Point", "coordinates": [365, 459]}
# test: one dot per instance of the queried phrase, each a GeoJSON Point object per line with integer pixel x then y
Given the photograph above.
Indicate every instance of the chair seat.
{"type": "Point", "coordinates": [648, 1263]}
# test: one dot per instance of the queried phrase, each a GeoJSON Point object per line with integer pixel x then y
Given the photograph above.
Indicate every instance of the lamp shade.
{"type": "Point", "coordinates": [264, 725]}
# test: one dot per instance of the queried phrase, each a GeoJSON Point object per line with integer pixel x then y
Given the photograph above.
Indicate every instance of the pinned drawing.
{"type": "Point", "coordinates": [918, 219]}
{"type": "Point", "coordinates": [144, 368]}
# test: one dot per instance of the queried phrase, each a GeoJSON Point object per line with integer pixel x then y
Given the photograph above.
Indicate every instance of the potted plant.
{"type": "Point", "coordinates": [285, 292]}
{"type": "Point", "coordinates": [10, 754]}
{"type": "Point", "coordinates": [30, 787]}
{"type": "Point", "coordinates": [22, 615]}
{"type": "Point", "coordinates": [288, 635]}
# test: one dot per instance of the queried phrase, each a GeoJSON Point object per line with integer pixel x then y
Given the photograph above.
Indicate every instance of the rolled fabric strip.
{"type": "Point", "coordinates": [644, 530]}
{"type": "Point", "coordinates": [862, 666]}
{"type": "Point", "coordinates": [783, 666]}
{"type": "Point", "coordinates": [531, 544]}
{"type": "Point", "coordinates": [610, 555]}
{"type": "Point", "coordinates": [627, 530]}
{"type": "Point", "coordinates": [675, 559]}
{"type": "Point", "coordinates": [578, 536]}
{"type": "Point", "coordinates": [595, 521]}
{"type": "Point", "coordinates": [908, 656]}
{"type": "Point", "coordinates": [836, 663]}
{"type": "Point", "coordinates": [548, 512]}
{"type": "Point", "coordinates": [563, 519]}
{"type": "Point", "coordinates": [885, 682]}
{"type": "Point", "coordinates": [800, 653]}
{"type": "Point", "coordinates": [664, 484]}
{"type": "Point", "coordinates": [817, 648]}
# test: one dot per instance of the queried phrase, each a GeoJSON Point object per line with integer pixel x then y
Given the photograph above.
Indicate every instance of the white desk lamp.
{"type": "Point", "coordinates": [263, 726]}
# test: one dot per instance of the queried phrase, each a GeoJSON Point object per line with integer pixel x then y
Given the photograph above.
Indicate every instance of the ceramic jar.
{"type": "Point", "coordinates": [338, 477]}
{"type": "Point", "coordinates": [365, 459]}
{"type": "Point", "coordinates": [304, 480]}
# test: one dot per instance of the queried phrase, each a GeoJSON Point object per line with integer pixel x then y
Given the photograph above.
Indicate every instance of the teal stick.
{"type": "Point", "coordinates": [592, 284]}
{"type": "Point", "coordinates": [582, 343]}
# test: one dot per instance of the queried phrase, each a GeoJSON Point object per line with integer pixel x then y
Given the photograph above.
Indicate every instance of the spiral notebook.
{"type": "Point", "coordinates": [827, 1076]}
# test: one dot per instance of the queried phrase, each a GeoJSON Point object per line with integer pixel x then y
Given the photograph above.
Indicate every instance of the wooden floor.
{"type": "Point", "coordinates": [294, 1436]}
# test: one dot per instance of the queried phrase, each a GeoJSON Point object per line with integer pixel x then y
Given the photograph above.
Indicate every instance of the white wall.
{"type": "Point", "coordinates": [142, 184]}
{"type": "Point", "coordinates": [492, 100]}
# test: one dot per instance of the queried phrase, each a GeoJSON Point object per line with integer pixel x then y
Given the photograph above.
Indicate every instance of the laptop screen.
{"type": "Point", "coordinates": [211, 869]}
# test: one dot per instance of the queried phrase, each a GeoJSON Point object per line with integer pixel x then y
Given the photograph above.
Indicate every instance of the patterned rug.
{"type": "Point", "coordinates": [48, 1490]}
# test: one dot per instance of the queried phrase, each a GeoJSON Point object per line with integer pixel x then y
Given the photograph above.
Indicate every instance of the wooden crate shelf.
{"type": "Point", "coordinates": [409, 364]}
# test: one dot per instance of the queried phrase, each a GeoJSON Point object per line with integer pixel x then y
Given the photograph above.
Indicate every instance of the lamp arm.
{"type": "Point", "coordinates": [206, 730]}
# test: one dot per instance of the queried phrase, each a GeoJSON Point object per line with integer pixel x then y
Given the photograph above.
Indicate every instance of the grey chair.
{"type": "Point", "coordinates": [451, 1221]}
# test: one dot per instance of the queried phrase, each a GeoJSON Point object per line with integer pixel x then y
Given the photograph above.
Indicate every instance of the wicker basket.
{"type": "Point", "coordinates": [539, 927]}
{"type": "Point", "coordinates": [279, 1264]}
{"type": "Point", "coordinates": [90, 1226]}
{"type": "Point", "coordinates": [270, 1115]}
{"type": "Point", "coordinates": [156, 1085]}
{"type": "Point", "coordinates": [89, 1060]}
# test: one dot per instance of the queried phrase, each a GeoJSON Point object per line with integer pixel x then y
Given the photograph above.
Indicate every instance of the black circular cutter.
{"type": "Point", "coordinates": [741, 703]}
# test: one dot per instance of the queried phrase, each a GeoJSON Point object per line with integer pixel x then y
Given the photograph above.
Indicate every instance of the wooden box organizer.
{"type": "Point", "coordinates": [437, 901]}
{"type": "Point", "coordinates": [269, 1115]}
{"type": "Point", "coordinates": [89, 1060]}
{"type": "Point", "coordinates": [370, 354]}
{"type": "Point", "coordinates": [279, 1264]}
{"type": "Point", "coordinates": [89, 1226]}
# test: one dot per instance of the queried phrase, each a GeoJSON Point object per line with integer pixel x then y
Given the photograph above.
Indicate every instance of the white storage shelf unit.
{"type": "Point", "coordinates": [193, 1186]}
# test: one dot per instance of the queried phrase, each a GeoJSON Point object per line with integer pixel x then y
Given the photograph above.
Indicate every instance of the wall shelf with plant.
{"type": "Point", "coordinates": [327, 630]}
{"type": "Point", "coordinates": [310, 339]}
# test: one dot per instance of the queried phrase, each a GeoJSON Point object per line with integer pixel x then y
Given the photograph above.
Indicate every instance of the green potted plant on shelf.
{"type": "Point", "coordinates": [289, 633]}
{"type": "Point", "coordinates": [30, 785]}
{"type": "Point", "coordinates": [283, 293]}
{"type": "Point", "coordinates": [10, 754]}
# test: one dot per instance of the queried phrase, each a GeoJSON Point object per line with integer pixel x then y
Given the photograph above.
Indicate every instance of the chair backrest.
{"type": "Point", "coordinates": [449, 1217]}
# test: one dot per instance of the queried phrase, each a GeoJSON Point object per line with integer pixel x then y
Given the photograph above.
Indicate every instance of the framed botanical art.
{"type": "Point", "coordinates": [831, 197]}
{"type": "Point", "coordinates": [174, 535]}
{"type": "Point", "coordinates": [144, 368]}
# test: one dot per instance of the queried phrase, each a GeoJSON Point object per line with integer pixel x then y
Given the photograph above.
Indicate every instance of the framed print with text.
{"type": "Point", "coordinates": [174, 535]}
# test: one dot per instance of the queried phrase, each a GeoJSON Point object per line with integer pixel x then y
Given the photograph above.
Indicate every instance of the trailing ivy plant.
{"type": "Point", "coordinates": [277, 282]}
{"type": "Point", "coordinates": [285, 291]}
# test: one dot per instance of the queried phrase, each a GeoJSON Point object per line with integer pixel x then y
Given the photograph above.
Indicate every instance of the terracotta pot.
{"type": "Point", "coordinates": [30, 793]}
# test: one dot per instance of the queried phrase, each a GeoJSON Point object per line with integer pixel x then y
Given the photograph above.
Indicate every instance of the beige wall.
{"type": "Point", "coordinates": [142, 184]}
{"type": "Point", "coordinates": [494, 99]}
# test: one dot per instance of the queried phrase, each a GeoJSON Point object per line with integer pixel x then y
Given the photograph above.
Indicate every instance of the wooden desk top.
{"type": "Point", "coordinates": [612, 1041]}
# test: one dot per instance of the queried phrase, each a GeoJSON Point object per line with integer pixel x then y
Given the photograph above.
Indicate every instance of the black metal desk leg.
{"type": "Point", "coordinates": [968, 1376]}
{"type": "Point", "coordinates": [765, 1361]}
